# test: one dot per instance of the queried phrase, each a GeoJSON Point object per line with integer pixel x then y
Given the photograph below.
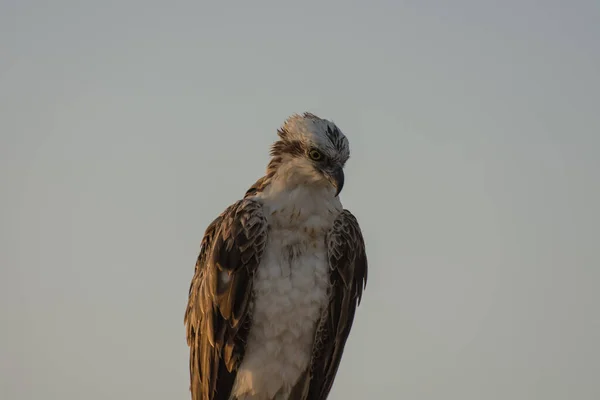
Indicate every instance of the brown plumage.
{"type": "Point", "coordinates": [218, 317]}
{"type": "Point", "coordinates": [217, 313]}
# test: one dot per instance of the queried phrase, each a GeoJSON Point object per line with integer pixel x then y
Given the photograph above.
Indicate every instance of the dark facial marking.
{"type": "Point", "coordinates": [291, 147]}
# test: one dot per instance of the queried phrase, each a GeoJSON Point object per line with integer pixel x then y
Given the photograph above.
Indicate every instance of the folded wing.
{"type": "Point", "coordinates": [216, 317]}
{"type": "Point", "coordinates": [348, 277]}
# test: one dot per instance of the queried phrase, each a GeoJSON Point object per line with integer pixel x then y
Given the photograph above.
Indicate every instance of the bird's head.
{"type": "Point", "coordinates": [312, 151]}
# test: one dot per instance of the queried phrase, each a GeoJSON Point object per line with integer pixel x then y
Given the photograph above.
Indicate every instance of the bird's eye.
{"type": "Point", "coordinates": [315, 155]}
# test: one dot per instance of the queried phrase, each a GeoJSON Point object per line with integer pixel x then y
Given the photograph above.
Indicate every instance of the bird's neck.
{"type": "Point", "coordinates": [295, 197]}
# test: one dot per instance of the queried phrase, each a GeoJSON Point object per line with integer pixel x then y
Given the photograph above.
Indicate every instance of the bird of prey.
{"type": "Point", "coordinates": [279, 277]}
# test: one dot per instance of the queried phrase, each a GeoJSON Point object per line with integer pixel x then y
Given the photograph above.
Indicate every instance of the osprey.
{"type": "Point", "coordinates": [279, 276]}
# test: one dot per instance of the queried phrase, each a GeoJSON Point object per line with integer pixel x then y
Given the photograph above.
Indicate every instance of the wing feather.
{"type": "Point", "coordinates": [216, 316]}
{"type": "Point", "coordinates": [348, 277]}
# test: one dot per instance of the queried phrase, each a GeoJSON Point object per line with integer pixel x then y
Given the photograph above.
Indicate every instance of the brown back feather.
{"type": "Point", "coordinates": [216, 317]}
{"type": "Point", "coordinates": [348, 277]}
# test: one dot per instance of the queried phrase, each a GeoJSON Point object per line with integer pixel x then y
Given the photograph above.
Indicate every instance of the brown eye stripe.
{"type": "Point", "coordinates": [293, 147]}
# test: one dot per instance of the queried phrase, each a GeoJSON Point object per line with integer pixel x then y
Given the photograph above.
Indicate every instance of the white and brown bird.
{"type": "Point", "coordinates": [279, 276]}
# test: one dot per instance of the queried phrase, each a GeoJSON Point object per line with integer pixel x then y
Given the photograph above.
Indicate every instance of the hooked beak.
{"type": "Point", "coordinates": [337, 178]}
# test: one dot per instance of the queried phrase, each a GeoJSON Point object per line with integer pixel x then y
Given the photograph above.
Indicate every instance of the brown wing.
{"type": "Point", "coordinates": [348, 277]}
{"type": "Point", "coordinates": [216, 317]}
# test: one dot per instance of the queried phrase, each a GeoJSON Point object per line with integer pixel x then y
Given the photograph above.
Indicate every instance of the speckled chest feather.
{"type": "Point", "coordinates": [290, 294]}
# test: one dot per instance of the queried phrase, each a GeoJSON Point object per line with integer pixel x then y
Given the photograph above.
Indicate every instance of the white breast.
{"type": "Point", "coordinates": [290, 294]}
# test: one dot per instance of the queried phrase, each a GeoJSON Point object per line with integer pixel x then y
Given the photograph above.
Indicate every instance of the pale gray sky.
{"type": "Point", "coordinates": [127, 126]}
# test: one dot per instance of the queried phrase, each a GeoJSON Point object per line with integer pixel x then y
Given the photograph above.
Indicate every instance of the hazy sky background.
{"type": "Point", "coordinates": [127, 126]}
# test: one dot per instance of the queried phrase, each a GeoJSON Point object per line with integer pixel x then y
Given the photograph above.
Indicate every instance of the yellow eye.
{"type": "Point", "coordinates": [315, 155]}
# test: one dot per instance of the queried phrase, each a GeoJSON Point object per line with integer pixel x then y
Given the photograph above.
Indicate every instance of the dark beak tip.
{"type": "Point", "coordinates": [339, 181]}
